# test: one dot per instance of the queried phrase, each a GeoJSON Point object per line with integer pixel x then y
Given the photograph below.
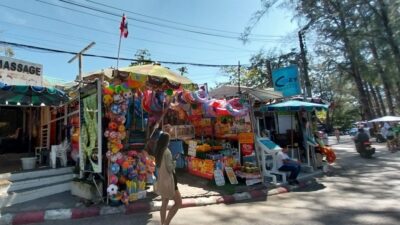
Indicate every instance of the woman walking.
{"type": "Point", "coordinates": [337, 134]}
{"type": "Point", "coordinates": [166, 184]}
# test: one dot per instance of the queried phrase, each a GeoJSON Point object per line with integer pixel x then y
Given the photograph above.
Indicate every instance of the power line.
{"type": "Point", "coordinates": [171, 21]}
{"type": "Point", "coordinates": [110, 57]}
{"type": "Point", "coordinates": [110, 33]}
{"type": "Point", "coordinates": [141, 27]}
{"type": "Point", "coordinates": [58, 20]}
{"type": "Point", "coordinates": [158, 24]}
{"type": "Point", "coordinates": [69, 37]}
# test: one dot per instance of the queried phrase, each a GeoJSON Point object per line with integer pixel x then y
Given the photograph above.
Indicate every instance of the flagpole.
{"type": "Point", "coordinates": [119, 47]}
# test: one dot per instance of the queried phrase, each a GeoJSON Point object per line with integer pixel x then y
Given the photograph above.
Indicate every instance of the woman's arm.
{"type": "Point", "coordinates": [170, 164]}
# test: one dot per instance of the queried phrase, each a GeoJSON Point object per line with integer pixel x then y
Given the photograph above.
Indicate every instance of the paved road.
{"type": "Point", "coordinates": [358, 191]}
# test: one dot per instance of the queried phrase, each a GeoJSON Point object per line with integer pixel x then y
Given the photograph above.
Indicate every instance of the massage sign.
{"type": "Point", "coordinates": [19, 72]}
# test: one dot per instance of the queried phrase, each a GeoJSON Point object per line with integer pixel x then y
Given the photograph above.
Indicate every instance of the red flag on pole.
{"type": "Point", "coordinates": [124, 26]}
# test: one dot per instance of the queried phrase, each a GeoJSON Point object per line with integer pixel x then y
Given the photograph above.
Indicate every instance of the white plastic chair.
{"type": "Point", "coordinates": [59, 151]}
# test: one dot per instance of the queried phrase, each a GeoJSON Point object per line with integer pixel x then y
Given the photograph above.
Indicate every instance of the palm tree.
{"type": "Point", "coordinates": [183, 70]}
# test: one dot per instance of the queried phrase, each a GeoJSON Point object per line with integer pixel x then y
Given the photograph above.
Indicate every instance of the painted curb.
{"type": "Point", "coordinates": [28, 217]}
{"type": "Point", "coordinates": [137, 207]}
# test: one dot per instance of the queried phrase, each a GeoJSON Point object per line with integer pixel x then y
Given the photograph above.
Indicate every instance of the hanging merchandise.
{"type": "Point", "coordinates": [74, 121]}
{"type": "Point", "coordinates": [90, 154]}
{"type": "Point", "coordinates": [236, 108]}
{"type": "Point", "coordinates": [129, 169]}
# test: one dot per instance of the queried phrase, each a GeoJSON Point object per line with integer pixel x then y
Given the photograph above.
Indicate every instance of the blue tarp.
{"type": "Point", "coordinates": [293, 105]}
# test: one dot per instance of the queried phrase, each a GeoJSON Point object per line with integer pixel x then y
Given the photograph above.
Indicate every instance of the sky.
{"type": "Point", "coordinates": [195, 31]}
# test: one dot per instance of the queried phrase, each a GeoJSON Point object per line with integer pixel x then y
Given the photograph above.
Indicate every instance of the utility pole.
{"type": "Point", "coordinates": [239, 92]}
{"type": "Point", "coordinates": [305, 64]}
{"type": "Point", "coordinates": [269, 71]}
{"type": "Point", "coordinates": [79, 56]}
{"type": "Point", "coordinates": [303, 53]}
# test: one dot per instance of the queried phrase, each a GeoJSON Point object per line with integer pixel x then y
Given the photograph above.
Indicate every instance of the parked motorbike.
{"type": "Point", "coordinates": [380, 138]}
{"type": "Point", "coordinates": [365, 149]}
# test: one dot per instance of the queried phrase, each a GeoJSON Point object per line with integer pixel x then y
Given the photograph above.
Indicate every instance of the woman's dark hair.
{"type": "Point", "coordinates": [162, 145]}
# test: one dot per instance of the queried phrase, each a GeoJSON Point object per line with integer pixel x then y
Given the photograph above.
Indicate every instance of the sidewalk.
{"type": "Point", "coordinates": [195, 192]}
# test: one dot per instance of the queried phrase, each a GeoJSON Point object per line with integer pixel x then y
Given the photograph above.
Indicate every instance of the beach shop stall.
{"type": "Point", "coordinates": [222, 145]}
{"type": "Point", "coordinates": [294, 126]}
{"type": "Point", "coordinates": [217, 123]}
{"type": "Point", "coordinates": [211, 138]}
{"type": "Point", "coordinates": [135, 102]}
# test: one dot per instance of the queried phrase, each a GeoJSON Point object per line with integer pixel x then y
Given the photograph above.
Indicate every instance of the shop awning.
{"type": "Point", "coordinates": [257, 93]}
{"type": "Point", "coordinates": [157, 71]}
{"type": "Point", "coordinates": [293, 105]}
{"type": "Point", "coordinates": [26, 95]}
{"type": "Point", "coordinates": [386, 119]}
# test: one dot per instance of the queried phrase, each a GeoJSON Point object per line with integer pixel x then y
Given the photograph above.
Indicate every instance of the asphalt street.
{"type": "Point", "coordinates": [355, 191]}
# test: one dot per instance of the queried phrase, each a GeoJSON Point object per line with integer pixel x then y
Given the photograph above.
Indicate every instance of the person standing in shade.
{"type": "Point", "coordinates": [166, 185]}
{"type": "Point", "coordinates": [285, 163]}
{"type": "Point", "coordinates": [337, 134]}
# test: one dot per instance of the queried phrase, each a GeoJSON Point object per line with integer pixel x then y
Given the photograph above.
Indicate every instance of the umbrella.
{"type": "Point", "coordinates": [31, 95]}
{"type": "Point", "coordinates": [157, 71]}
{"type": "Point", "coordinates": [386, 119]}
{"type": "Point", "coordinates": [294, 105]}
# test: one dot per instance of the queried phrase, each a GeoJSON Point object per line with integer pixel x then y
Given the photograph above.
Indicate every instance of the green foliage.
{"type": "Point", "coordinates": [7, 51]}
{"type": "Point", "coordinates": [142, 57]}
{"type": "Point", "coordinates": [183, 70]}
{"type": "Point", "coordinates": [356, 60]}
{"type": "Point", "coordinates": [261, 66]}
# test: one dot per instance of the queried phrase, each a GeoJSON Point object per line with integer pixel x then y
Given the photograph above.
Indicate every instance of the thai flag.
{"type": "Point", "coordinates": [124, 26]}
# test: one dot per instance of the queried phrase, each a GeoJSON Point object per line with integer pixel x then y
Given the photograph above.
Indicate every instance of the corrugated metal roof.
{"type": "Point", "coordinates": [257, 93]}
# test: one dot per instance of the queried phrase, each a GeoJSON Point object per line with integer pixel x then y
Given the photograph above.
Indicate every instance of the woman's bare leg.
{"type": "Point", "coordinates": [163, 210]}
{"type": "Point", "coordinates": [174, 209]}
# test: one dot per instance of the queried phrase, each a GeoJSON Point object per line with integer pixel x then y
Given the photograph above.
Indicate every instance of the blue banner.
{"type": "Point", "coordinates": [286, 80]}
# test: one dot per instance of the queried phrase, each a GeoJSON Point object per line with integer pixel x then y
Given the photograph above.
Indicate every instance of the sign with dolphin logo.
{"type": "Point", "coordinates": [286, 80]}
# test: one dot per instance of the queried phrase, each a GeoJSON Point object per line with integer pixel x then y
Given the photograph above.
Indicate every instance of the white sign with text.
{"type": "Point", "coordinates": [19, 72]}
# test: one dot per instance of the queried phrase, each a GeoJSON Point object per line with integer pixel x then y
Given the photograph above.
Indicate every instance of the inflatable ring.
{"type": "Point", "coordinates": [236, 112]}
{"type": "Point", "coordinates": [197, 98]}
{"type": "Point", "coordinates": [235, 108]}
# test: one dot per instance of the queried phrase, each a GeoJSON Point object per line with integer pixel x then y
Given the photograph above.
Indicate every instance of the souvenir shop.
{"type": "Point", "coordinates": [209, 137]}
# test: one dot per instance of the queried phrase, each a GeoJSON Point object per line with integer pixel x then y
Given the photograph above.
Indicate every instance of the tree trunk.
{"type": "Point", "coordinates": [352, 56]}
{"type": "Point", "coordinates": [382, 14]}
{"type": "Point", "coordinates": [391, 41]}
{"type": "Point", "coordinates": [375, 98]}
{"type": "Point", "coordinates": [369, 100]}
{"type": "Point", "coordinates": [397, 94]}
{"type": "Point", "coordinates": [378, 92]}
{"type": "Point", "coordinates": [389, 32]}
{"type": "Point", "coordinates": [383, 76]}
{"type": "Point", "coordinates": [355, 73]}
